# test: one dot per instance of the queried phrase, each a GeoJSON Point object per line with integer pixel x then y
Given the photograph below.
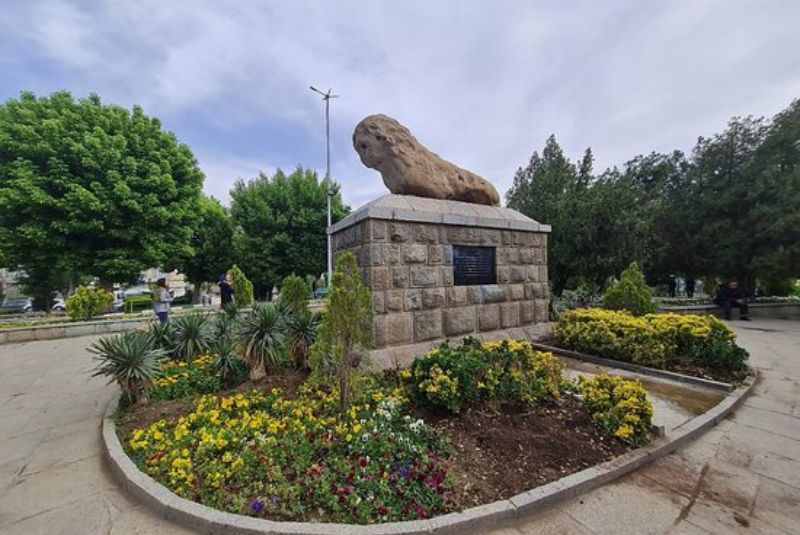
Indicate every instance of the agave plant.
{"type": "Point", "coordinates": [161, 336]}
{"type": "Point", "coordinates": [301, 330]}
{"type": "Point", "coordinates": [261, 338]}
{"type": "Point", "coordinates": [129, 359]}
{"type": "Point", "coordinates": [224, 326]}
{"type": "Point", "coordinates": [228, 362]}
{"type": "Point", "coordinates": [192, 336]}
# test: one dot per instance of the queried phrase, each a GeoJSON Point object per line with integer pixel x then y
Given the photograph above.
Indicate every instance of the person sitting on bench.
{"type": "Point", "coordinates": [729, 295]}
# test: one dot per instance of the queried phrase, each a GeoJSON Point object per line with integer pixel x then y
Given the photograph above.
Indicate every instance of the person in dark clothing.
{"type": "Point", "coordinates": [731, 296]}
{"type": "Point", "coordinates": [225, 288]}
{"type": "Point", "coordinates": [689, 287]}
{"type": "Point", "coordinates": [672, 284]}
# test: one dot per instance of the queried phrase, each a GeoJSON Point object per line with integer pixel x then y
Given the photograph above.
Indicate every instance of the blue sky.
{"type": "Point", "coordinates": [481, 83]}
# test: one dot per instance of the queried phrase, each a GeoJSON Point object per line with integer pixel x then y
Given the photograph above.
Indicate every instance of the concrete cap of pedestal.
{"type": "Point", "coordinates": [424, 210]}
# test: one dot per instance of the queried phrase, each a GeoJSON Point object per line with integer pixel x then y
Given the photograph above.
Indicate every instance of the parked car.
{"type": "Point", "coordinates": [22, 305]}
{"type": "Point", "coordinates": [59, 306]}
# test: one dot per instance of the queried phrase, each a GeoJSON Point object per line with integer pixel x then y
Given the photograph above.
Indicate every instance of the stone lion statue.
{"type": "Point", "coordinates": [408, 168]}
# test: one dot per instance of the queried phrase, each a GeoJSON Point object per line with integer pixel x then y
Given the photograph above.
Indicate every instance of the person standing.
{"type": "Point", "coordinates": [731, 296]}
{"type": "Point", "coordinates": [226, 288]}
{"type": "Point", "coordinates": [162, 300]}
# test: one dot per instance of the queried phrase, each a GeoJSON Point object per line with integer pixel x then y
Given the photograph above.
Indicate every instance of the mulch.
{"type": "Point", "coordinates": [503, 450]}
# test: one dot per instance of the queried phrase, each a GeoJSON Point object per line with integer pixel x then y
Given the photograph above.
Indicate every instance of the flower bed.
{"type": "Point", "coordinates": [466, 425]}
{"type": "Point", "coordinates": [699, 345]}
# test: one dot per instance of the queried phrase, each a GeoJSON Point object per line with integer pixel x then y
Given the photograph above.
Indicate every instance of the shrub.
{"type": "Point", "coordinates": [191, 336]}
{"type": "Point", "coordinates": [630, 293]}
{"type": "Point", "coordinates": [453, 377]}
{"type": "Point", "coordinates": [162, 336]}
{"type": "Point", "coordinates": [658, 340]}
{"type": "Point", "coordinates": [294, 293]}
{"type": "Point", "coordinates": [346, 325]}
{"type": "Point", "coordinates": [180, 379]}
{"type": "Point", "coordinates": [129, 359]}
{"type": "Point", "coordinates": [611, 334]}
{"type": "Point", "coordinates": [242, 287]}
{"type": "Point", "coordinates": [87, 302]}
{"type": "Point", "coordinates": [301, 332]}
{"type": "Point", "coordinates": [261, 337]}
{"type": "Point", "coordinates": [618, 406]}
{"type": "Point", "coordinates": [228, 363]}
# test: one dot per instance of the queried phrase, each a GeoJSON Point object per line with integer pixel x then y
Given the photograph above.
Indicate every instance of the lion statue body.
{"type": "Point", "coordinates": [408, 168]}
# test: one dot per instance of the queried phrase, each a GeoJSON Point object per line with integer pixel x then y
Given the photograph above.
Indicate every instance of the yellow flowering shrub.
{"type": "Point", "coordinates": [658, 340]}
{"type": "Point", "coordinates": [451, 377]}
{"type": "Point", "coordinates": [619, 406]}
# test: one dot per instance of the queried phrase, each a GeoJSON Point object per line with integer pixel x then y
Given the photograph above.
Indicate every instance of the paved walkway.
{"type": "Point", "coordinates": [741, 477]}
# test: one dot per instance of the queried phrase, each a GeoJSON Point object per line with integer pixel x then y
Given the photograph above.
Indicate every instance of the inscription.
{"type": "Point", "coordinates": [473, 265]}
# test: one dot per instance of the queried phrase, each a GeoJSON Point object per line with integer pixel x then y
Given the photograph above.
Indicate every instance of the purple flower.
{"type": "Point", "coordinates": [257, 506]}
{"type": "Point", "coordinates": [273, 500]}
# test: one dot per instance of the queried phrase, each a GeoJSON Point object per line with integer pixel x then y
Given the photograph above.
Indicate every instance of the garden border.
{"type": "Point", "coordinates": [163, 502]}
{"type": "Point", "coordinates": [636, 368]}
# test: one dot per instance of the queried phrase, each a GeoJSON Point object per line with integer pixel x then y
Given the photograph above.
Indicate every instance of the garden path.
{"type": "Point", "coordinates": [745, 472]}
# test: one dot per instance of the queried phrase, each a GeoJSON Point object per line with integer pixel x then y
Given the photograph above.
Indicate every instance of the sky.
{"type": "Point", "coordinates": [483, 84]}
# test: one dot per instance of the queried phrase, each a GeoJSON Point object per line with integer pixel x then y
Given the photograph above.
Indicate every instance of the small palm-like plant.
{"type": "Point", "coordinates": [161, 336]}
{"type": "Point", "coordinates": [129, 359]}
{"type": "Point", "coordinates": [228, 362]}
{"type": "Point", "coordinates": [301, 330]}
{"type": "Point", "coordinates": [192, 336]}
{"type": "Point", "coordinates": [261, 338]}
{"type": "Point", "coordinates": [224, 326]}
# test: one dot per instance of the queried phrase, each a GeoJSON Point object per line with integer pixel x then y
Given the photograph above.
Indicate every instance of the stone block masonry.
{"type": "Point", "coordinates": [405, 249]}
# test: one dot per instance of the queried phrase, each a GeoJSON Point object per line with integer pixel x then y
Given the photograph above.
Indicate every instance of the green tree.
{"type": "Point", "coordinates": [594, 222]}
{"type": "Point", "coordinates": [294, 292]}
{"type": "Point", "coordinates": [630, 293]}
{"type": "Point", "coordinates": [280, 224]}
{"type": "Point", "coordinates": [346, 324]}
{"type": "Point", "coordinates": [212, 245]}
{"type": "Point", "coordinates": [242, 287]}
{"type": "Point", "coordinates": [91, 189]}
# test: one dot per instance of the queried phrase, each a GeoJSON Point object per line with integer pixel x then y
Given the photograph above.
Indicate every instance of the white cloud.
{"type": "Point", "coordinates": [482, 84]}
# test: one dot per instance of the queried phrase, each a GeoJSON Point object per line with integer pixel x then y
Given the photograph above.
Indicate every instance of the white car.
{"type": "Point", "coordinates": [58, 306]}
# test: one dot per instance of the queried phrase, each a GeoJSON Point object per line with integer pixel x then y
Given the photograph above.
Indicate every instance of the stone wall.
{"type": "Point", "coordinates": [409, 266]}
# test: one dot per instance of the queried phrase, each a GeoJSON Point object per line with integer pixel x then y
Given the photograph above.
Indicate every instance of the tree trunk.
{"type": "Point", "coordinates": [196, 285]}
{"type": "Point", "coordinates": [257, 372]}
{"type": "Point", "coordinates": [344, 385]}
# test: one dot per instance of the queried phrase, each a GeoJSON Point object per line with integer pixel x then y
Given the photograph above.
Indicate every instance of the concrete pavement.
{"type": "Point", "coordinates": [742, 477]}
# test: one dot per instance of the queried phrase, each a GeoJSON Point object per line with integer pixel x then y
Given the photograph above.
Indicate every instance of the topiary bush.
{"type": "Point", "coordinates": [630, 293]}
{"type": "Point", "coordinates": [454, 377]}
{"type": "Point", "coordinates": [295, 292]}
{"type": "Point", "coordinates": [242, 287]}
{"type": "Point", "coordinates": [87, 302]}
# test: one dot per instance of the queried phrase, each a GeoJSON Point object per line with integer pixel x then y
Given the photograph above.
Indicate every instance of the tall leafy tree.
{"type": "Point", "coordinates": [280, 226]}
{"type": "Point", "coordinates": [594, 228]}
{"type": "Point", "coordinates": [212, 244]}
{"type": "Point", "coordinates": [91, 189]}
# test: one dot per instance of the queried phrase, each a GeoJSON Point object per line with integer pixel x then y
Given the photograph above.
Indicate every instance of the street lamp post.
{"type": "Point", "coordinates": [327, 98]}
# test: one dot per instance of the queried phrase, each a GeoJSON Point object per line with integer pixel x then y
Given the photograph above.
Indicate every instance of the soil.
{"type": "Point", "coordinates": [504, 450]}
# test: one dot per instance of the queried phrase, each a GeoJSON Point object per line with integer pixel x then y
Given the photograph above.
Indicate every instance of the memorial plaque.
{"type": "Point", "coordinates": [473, 265]}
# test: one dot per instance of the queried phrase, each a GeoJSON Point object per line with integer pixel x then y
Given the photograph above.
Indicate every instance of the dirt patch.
{"type": "Point", "coordinates": [503, 450]}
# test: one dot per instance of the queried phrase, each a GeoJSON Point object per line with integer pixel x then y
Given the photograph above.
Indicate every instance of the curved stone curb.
{"type": "Point", "coordinates": [205, 519]}
{"type": "Point", "coordinates": [643, 370]}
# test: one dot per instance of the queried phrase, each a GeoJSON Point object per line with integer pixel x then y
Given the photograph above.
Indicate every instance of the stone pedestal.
{"type": "Point", "coordinates": [405, 244]}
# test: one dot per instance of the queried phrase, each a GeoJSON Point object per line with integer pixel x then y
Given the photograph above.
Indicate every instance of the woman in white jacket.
{"type": "Point", "coordinates": [162, 300]}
